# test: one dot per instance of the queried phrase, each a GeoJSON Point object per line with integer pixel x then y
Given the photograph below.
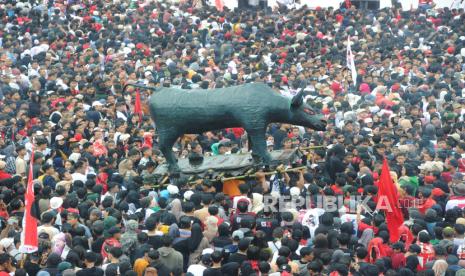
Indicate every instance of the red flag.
{"type": "Point", "coordinates": [388, 201]}
{"type": "Point", "coordinates": [29, 241]}
{"type": "Point", "coordinates": [219, 5]}
{"type": "Point", "coordinates": [137, 106]}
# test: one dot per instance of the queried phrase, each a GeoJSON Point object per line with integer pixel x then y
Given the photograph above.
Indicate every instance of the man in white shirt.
{"type": "Point", "coordinates": [458, 197]}
{"type": "Point", "coordinates": [197, 269]}
{"type": "Point", "coordinates": [244, 189]}
{"type": "Point", "coordinates": [76, 153]}
{"type": "Point", "coordinates": [80, 172]}
{"type": "Point", "coordinates": [20, 162]}
{"type": "Point", "coordinates": [113, 190]}
{"type": "Point", "coordinates": [47, 226]}
{"type": "Point", "coordinates": [121, 111]}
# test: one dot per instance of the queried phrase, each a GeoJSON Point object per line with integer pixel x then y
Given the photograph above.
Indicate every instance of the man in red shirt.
{"type": "Point", "coordinates": [425, 201]}
{"type": "Point", "coordinates": [3, 173]}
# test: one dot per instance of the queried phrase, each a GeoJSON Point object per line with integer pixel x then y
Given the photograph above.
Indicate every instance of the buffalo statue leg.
{"type": "Point", "coordinates": [166, 142]}
{"type": "Point", "coordinates": [258, 145]}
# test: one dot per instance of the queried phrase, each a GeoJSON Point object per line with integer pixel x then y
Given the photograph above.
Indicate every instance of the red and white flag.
{"type": "Point", "coordinates": [351, 62]}
{"type": "Point", "coordinates": [29, 238]}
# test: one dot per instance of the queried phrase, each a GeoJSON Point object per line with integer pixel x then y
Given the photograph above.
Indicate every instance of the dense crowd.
{"type": "Point", "coordinates": [102, 210]}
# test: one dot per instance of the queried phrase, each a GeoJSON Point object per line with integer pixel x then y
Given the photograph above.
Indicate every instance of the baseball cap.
{"type": "Point", "coordinates": [90, 257]}
{"type": "Point", "coordinates": [207, 251]}
{"type": "Point", "coordinates": [238, 235]}
{"type": "Point", "coordinates": [455, 136]}
{"type": "Point", "coordinates": [96, 103]}
{"type": "Point", "coordinates": [206, 258]}
{"type": "Point", "coordinates": [188, 194]}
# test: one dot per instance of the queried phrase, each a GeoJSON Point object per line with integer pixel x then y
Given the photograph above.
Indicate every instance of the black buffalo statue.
{"type": "Point", "coordinates": [251, 106]}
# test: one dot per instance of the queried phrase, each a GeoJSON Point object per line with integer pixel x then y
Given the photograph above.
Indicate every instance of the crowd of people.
{"type": "Point", "coordinates": [102, 210]}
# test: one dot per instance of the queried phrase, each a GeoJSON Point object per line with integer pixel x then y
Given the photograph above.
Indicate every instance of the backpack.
{"type": "Point", "coordinates": [10, 165]}
{"type": "Point", "coordinates": [461, 252]}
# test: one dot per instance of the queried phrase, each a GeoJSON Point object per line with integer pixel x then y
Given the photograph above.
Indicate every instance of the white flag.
{"type": "Point", "coordinates": [351, 62]}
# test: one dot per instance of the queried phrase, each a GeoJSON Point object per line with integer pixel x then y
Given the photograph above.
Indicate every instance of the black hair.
{"type": "Point", "coordinates": [167, 241]}
{"type": "Point", "coordinates": [213, 210]}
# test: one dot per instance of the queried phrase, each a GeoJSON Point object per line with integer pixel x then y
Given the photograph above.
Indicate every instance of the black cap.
{"type": "Point", "coordinates": [414, 248]}
{"type": "Point", "coordinates": [114, 230]}
{"type": "Point", "coordinates": [398, 245]}
{"type": "Point", "coordinates": [90, 256]}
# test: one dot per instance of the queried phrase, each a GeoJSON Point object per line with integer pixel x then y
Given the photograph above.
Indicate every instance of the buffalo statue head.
{"type": "Point", "coordinates": [304, 115]}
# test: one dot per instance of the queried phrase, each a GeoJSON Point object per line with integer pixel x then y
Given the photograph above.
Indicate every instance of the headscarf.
{"type": "Point", "coordinates": [176, 208]}
{"type": "Point", "coordinates": [376, 246]}
{"type": "Point", "coordinates": [440, 267]}
{"type": "Point", "coordinates": [211, 228]}
{"type": "Point", "coordinates": [367, 235]}
{"type": "Point", "coordinates": [257, 203]}
{"type": "Point", "coordinates": [406, 235]}
{"type": "Point", "coordinates": [58, 243]}
{"type": "Point", "coordinates": [125, 169]}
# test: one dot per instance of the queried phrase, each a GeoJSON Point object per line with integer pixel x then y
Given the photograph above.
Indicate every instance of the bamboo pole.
{"type": "Point", "coordinates": [266, 173]}
{"type": "Point", "coordinates": [312, 147]}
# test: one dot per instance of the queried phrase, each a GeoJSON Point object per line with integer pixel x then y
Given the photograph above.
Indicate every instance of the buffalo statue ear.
{"type": "Point", "coordinates": [298, 99]}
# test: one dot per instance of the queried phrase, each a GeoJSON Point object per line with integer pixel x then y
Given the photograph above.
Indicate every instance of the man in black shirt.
{"type": "Point", "coordinates": [163, 216]}
{"type": "Point", "coordinates": [98, 238]}
{"type": "Point", "coordinates": [241, 255]}
{"type": "Point", "coordinates": [306, 256]}
{"type": "Point", "coordinates": [267, 223]}
{"type": "Point", "coordinates": [215, 269]}
{"type": "Point", "coordinates": [188, 208]}
{"type": "Point", "coordinates": [241, 215]}
{"type": "Point", "coordinates": [32, 265]}
{"type": "Point", "coordinates": [91, 270]}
